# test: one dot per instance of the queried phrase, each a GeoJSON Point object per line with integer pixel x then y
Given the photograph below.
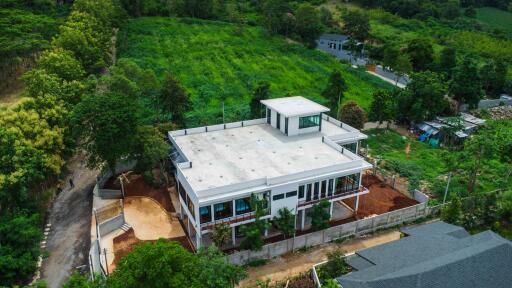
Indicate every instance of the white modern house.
{"type": "Point", "coordinates": [293, 158]}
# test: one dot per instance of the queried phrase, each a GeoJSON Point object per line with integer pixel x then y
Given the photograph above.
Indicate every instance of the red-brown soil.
{"type": "Point", "coordinates": [139, 187]}
{"type": "Point", "coordinates": [381, 199]}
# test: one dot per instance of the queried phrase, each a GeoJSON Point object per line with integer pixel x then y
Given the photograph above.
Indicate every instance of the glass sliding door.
{"type": "Point", "coordinates": [223, 210]}
{"type": "Point", "coordinates": [243, 206]}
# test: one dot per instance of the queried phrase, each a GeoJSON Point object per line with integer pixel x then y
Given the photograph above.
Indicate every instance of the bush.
{"type": "Point", "coordinates": [334, 267]}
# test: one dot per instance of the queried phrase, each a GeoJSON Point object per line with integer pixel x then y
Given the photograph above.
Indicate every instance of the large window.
{"type": "Point", "coordinates": [278, 119]}
{"type": "Point", "coordinates": [347, 183]}
{"type": "Point", "coordinates": [309, 121]}
{"type": "Point", "coordinates": [269, 113]}
{"type": "Point", "coordinates": [223, 210]}
{"type": "Point", "coordinates": [243, 206]}
{"type": "Point", "coordinates": [206, 214]}
{"type": "Point", "coordinates": [352, 147]}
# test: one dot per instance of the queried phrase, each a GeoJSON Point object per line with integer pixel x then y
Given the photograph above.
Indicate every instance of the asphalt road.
{"type": "Point", "coordinates": [69, 240]}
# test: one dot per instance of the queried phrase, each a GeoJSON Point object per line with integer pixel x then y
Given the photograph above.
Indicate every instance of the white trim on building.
{"type": "Point", "coordinates": [293, 164]}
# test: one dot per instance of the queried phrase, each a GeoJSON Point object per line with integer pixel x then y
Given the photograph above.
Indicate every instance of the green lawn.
{"type": "Point", "coordinates": [218, 62]}
{"type": "Point", "coordinates": [429, 166]}
{"type": "Point", "coordinates": [495, 18]}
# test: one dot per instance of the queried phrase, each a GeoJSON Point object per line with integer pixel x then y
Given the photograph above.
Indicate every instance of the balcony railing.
{"type": "Point", "coordinates": [338, 193]}
{"type": "Point", "coordinates": [228, 220]}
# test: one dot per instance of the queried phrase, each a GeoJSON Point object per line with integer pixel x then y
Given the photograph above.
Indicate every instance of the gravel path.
{"type": "Point", "coordinates": [70, 218]}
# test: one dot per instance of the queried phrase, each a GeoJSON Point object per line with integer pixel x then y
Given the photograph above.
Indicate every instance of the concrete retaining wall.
{"type": "Point", "coordinates": [357, 228]}
{"type": "Point", "coordinates": [111, 224]}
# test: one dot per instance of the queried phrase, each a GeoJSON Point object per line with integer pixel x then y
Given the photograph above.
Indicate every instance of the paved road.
{"type": "Point", "coordinates": [69, 239]}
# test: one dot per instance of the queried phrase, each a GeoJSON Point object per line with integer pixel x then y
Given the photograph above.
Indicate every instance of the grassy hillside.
{"type": "Point", "coordinates": [495, 18]}
{"type": "Point", "coordinates": [390, 28]}
{"type": "Point", "coordinates": [218, 62]}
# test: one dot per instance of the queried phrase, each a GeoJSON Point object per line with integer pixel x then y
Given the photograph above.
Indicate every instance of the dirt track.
{"type": "Point", "coordinates": [69, 239]}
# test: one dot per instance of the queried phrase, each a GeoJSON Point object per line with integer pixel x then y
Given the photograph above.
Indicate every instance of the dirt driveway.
{"type": "Point", "coordinates": [291, 264]}
{"type": "Point", "coordinates": [69, 240]}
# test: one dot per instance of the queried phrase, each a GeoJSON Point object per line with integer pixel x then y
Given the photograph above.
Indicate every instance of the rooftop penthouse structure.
{"type": "Point", "coordinates": [294, 157]}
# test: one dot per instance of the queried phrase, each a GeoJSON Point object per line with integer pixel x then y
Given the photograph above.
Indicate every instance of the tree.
{"type": "Point", "coordinates": [274, 12]}
{"type": "Point", "coordinates": [390, 55]}
{"type": "Point", "coordinates": [353, 115]}
{"type": "Point", "coordinates": [253, 231]}
{"type": "Point", "coordinates": [326, 17]}
{"type": "Point", "coordinates": [319, 215]}
{"type": "Point", "coordinates": [421, 52]}
{"type": "Point", "coordinates": [261, 92]}
{"type": "Point", "coordinates": [356, 24]}
{"type": "Point", "coordinates": [149, 148]}
{"type": "Point", "coordinates": [494, 75]}
{"type": "Point", "coordinates": [383, 106]}
{"type": "Point", "coordinates": [19, 247]}
{"type": "Point", "coordinates": [307, 24]}
{"type": "Point", "coordinates": [285, 222]}
{"type": "Point", "coordinates": [470, 12]}
{"type": "Point", "coordinates": [107, 125]}
{"type": "Point", "coordinates": [61, 63]}
{"type": "Point", "coordinates": [216, 271]}
{"type": "Point", "coordinates": [402, 66]}
{"type": "Point", "coordinates": [334, 90]}
{"type": "Point", "coordinates": [79, 281]}
{"type": "Point", "coordinates": [159, 264]}
{"type": "Point", "coordinates": [466, 85]}
{"type": "Point", "coordinates": [452, 213]}
{"type": "Point", "coordinates": [174, 99]}
{"type": "Point", "coordinates": [220, 234]}
{"type": "Point", "coordinates": [448, 60]}
{"type": "Point", "coordinates": [422, 99]}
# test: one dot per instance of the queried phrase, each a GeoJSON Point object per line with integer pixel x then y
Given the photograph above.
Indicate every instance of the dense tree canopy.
{"type": "Point", "coordinates": [423, 98]}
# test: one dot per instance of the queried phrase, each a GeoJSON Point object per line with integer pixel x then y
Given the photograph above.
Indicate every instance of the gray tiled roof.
{"type": "Point", "coordinates": [334, 37]}
{"type": "Point", "coordinates": [434, 255]}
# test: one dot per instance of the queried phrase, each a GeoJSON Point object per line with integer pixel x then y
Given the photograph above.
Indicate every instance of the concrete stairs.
{"type": "Point", "coordinates": [126, 227]}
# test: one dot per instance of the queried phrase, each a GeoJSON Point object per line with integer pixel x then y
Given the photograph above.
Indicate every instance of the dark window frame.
{"type": "Point", "coordinates": [278, 197]}
{"type": "Point", "coordinates": [310, 121]}
{"type": "Point", "coordinates": [302, 189]}
{"type": "Point", "coordinates": [219, 214]}
{"type": "Point", "coordinates": [291, 194]}
{"type": "Point", "coordinates": [247, 203]}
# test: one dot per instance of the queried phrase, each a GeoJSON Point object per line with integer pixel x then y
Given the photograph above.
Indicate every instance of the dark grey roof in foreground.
{"type": "Point", "coordinates": [436, 255]}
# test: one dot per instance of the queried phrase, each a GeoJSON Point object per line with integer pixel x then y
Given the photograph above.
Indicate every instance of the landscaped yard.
{"type": "Point", "coordinates": [221, 62]}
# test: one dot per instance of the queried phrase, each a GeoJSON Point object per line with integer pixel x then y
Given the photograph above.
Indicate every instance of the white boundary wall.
{"type": "Point", "coordinates": [359, 227]}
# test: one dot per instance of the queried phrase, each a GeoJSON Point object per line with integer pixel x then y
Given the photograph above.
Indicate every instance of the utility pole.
{"type": "Point", "coordinates": [447, 186]}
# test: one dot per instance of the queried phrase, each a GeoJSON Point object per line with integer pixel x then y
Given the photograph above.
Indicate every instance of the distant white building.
{"type": "Point", "coordinates": [293, 158]}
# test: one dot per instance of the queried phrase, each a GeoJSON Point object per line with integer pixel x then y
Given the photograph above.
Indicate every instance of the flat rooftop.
{"type": "Point", "coordinates": [236, 155]}
{"type": "Point", "coordinates": [294, 106]}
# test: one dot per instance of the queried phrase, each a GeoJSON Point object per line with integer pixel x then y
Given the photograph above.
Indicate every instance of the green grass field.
{"type": "Point", "coordinates": [414, 159]}
{"type": "Point", "coordinates": [495, 18]}
{"type": "Point", "coordinates": [220, 62]}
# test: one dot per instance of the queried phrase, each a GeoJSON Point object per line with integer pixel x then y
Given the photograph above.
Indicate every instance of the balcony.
{"type": "Point", "coordinates": [228, 220]}
{"type": "Point", "coordinates": [338, 194]}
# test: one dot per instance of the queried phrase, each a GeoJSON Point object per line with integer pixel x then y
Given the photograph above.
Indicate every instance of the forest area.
{"type": "Point", "coordinates": [179, 62]}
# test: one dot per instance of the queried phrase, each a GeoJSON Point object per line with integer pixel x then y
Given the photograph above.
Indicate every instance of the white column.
{"type": "Point", "coordinates": [357, 203]}
{"type": "Point", "coordinates": [330, 210]}
{"type": "Point", "coordinates": [198, 237]}
{"type": "Point", "coordinates": [233, 236]}
{"type": "Point", "coordinates": [303, 219]}
{"type": "Point", "coordinates": [357, 148]}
